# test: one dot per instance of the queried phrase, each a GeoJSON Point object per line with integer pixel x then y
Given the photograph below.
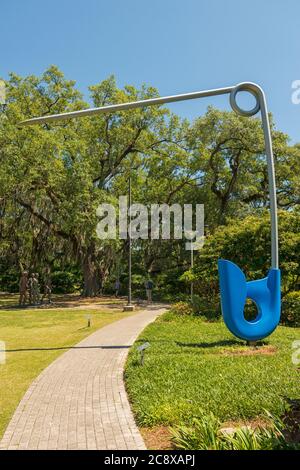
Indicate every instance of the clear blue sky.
{"type": "Point", "coordinates": [174, 45]}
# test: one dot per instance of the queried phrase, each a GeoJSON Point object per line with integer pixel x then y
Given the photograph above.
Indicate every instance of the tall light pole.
{"type": "Point", "coordinates": [191, 235]}
{"type": "Point", "coordinates": [192, 265]}
{"type": "Point", "coordinates": [129, 307]}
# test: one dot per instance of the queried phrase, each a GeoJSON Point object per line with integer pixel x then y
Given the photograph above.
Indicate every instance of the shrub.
{"type": "Point", "coordinates": [206, 433]}
{"type": "Point", "coordinates": [181, 309]}
{"type": "Point", "coordinates": [290, 312]}
{"type": "Point", "coordinates": [208, 308]}
{"type": "Point", "coordinates": [64, 282]}
{"type": "Point", "coordinates": [198, 307]}
{"type": "Point", "coordinates": [203, 435]}
{"type": "Point", "coordinates": [9, 282]}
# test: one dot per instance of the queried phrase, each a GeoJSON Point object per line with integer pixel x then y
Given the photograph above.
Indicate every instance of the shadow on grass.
{"type": "Point", "coordinates": [215, 344]}
{"type": "Point", "coordinates": [65, 348]}
{"type": "Point", "coordinates": [63, 305]}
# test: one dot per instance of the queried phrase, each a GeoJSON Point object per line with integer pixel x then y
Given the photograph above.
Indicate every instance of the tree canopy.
{"type": "Point", "coordinates": [54, 176]}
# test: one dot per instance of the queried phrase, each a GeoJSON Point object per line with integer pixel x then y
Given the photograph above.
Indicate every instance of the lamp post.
{"type": "Point", "coordinates": [129, 307]}
{"type": "Point", "coordinates": [190, 234]}
{"type": "Point", "coordinates": [192, 265]}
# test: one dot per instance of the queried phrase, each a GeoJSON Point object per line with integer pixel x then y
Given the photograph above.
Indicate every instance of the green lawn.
{"type": "Point", "coordinates": [193, 365]}
{"type": "Point", "coordinates": [25, 330]}
{"type": "Point", "coordinates": [8, 300]}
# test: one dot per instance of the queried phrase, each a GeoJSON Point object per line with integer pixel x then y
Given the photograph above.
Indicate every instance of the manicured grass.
{"type": "Point", "coordinates": [8, 300]}
{"type": "Point", "coordinates": [193, 365]}
{"type": "Point", "coordinates": [43, 330]}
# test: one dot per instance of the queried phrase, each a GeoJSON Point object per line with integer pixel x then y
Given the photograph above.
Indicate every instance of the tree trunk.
{"type": "Point", "coordinates": [92, 281]}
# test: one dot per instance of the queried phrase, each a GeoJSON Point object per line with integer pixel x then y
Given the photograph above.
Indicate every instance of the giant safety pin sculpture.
{"type": "Point", "coordinates": [265, 293]}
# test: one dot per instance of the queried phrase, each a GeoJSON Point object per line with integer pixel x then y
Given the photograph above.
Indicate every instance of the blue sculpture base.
{"type": "Point", "coordinates": [265, 293]}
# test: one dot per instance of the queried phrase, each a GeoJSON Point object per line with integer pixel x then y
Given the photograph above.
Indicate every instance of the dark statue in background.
{"type": "Point", "coordinates": [23, 285]}
{"type": "Point", "coordinates": [29, 289]}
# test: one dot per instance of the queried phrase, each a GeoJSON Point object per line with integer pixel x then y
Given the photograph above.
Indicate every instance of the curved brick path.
{"type": "Point", "coordinates": [79, 401]}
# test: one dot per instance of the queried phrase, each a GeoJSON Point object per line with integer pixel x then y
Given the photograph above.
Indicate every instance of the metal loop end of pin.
{"type": "Point", "coordinates": [251, 88]}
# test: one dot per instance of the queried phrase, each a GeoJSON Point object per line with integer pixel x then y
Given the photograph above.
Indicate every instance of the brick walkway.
{"type": "Point", "coordinates": [79, 401]}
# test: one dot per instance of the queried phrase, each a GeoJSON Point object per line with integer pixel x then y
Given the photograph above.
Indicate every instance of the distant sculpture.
{"type": "Point", "coordinates": [23, 285]}
{"type": "Point", "coordinates": [47, 291]}
{"type": "Point", "coordinates": [36, 289]}
{"type": "Point", "coordinates": [30, 288]}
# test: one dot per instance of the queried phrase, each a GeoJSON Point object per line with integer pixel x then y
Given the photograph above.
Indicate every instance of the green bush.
{"type": "Point", "coordinates": [182, 309]}
{"type": "Point", "coordinates": [290, 311]}
{"type": "Point", "coordinates": [206, 433]}
{"type": "Point", "coordinates": [197, 307]}
{"type": "Point", "coordinates": [9, 282]}
{"type": "Point", "coordinates": [64, 282]}
{"type": "Point", "coordinates": [203, 435]}
{"type": "Point", "coordinates": [208, 308]}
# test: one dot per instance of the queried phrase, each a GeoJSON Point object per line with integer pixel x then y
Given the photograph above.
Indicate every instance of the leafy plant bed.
{"type": "Point", "coordinates": [194, 367]}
